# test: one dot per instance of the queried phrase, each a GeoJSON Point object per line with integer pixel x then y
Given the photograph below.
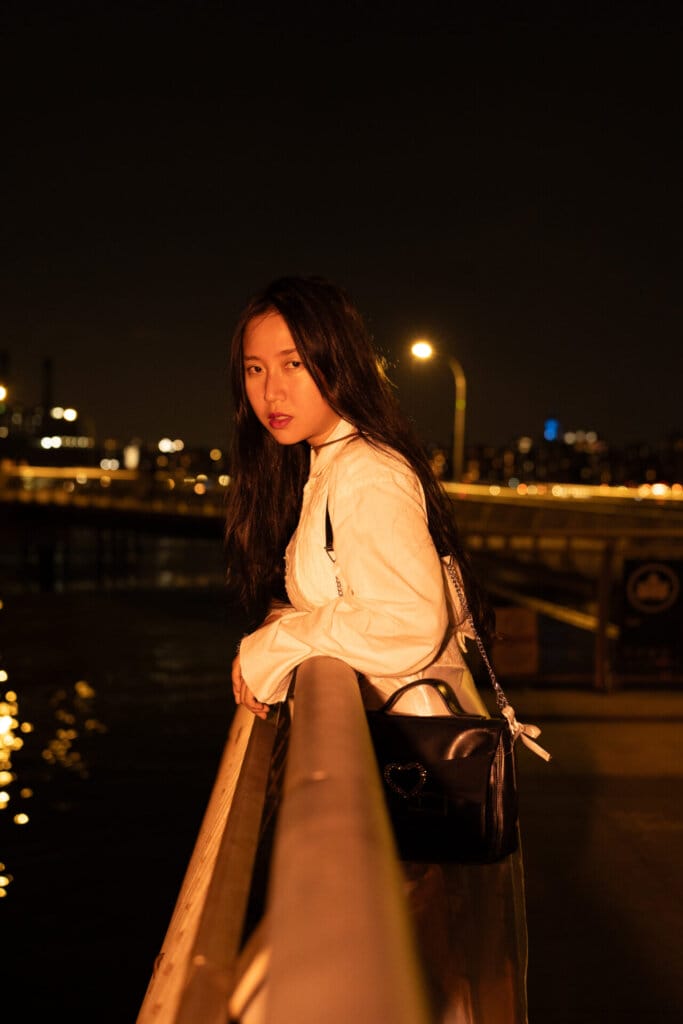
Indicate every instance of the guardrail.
{"type": "Point", "coordinates": [335, 943]}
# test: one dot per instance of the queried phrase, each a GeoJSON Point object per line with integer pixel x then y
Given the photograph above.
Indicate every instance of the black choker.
{"type": "Point", "coordinates": [317, 447]}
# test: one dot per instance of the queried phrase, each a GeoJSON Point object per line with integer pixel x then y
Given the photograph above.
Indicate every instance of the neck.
{"type": "Point", "coordinates": [345, 437]}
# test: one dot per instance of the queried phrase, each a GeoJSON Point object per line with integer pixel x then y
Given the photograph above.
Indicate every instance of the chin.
{"type": "Point", "coordinates": [284, 442]}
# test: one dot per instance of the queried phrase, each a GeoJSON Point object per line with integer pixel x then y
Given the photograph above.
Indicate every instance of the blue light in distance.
{"type": "Point", "coordinates": [551, 430]}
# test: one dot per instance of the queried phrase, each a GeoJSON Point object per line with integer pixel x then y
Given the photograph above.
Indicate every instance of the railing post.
{"type": "Point", "coordinates": [603, 663]}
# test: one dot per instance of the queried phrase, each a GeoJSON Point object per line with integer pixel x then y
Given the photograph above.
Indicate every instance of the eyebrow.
{"type": "Point", "coordinates": [282, 352]}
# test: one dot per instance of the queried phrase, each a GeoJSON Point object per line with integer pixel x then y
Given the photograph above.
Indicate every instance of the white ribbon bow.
{"type": "Point", "coordinates": [528, 733]}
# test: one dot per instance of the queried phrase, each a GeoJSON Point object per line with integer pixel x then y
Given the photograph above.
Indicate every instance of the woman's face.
{"type": "Point", "coordinates": [281, 391]}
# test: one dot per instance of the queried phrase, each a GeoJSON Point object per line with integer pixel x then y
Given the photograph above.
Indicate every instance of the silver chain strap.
{"type": "Point", "coordinates": [501, 699]}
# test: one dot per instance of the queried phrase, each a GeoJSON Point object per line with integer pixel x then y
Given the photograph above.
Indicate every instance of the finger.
{"type": "Point", "coordinates": [251, 702]}
{"type": "Point", "coordinates": [246, 696]}
{"type": "Point", "coordinates": [256, 708]}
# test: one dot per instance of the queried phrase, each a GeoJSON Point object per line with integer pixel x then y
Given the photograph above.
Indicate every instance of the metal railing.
{"type": "Point", "coordinates": [341, 940]}
{"type": "Point", "coordinates": [335, 943]}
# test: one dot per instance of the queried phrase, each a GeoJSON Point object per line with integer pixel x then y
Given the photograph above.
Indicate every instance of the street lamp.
{"type": "Point", "coordinates": [424, 349]}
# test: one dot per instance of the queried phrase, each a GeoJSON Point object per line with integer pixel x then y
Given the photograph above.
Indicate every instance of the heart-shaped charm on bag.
{"type": "Point", "coordinates": [405, 779]}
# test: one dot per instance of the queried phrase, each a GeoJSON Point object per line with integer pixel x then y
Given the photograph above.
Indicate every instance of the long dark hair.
{"type": "Point", "coordinates": [267, 478]}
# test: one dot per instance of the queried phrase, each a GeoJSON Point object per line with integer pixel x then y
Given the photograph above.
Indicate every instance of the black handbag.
{"type": "Point", "coordinates": [450, 781]}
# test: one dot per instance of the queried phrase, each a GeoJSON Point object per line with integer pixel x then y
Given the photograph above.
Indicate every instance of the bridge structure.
{"type": "Point", "coordinates": [603, 561]}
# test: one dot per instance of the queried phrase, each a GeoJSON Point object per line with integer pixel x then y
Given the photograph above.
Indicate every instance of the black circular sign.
{"type": "Point", "coordinates": [653, 587]}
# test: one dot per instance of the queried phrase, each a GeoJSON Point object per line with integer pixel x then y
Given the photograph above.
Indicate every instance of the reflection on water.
{"type": "Point", "coordinates": [12, 731]}
{"type": "Point", "coordinates": [74, 715]}
{"type": "Point", "coordinates": [104, 680]}
{"type": "Point", "coordinates": [78, 558]}
{"type": "Point", "coordinates": [116, 704]}
{"type": "Point", "coordinates": [71, 716]}
{"type": "Point", "coordinates": [10, 743]}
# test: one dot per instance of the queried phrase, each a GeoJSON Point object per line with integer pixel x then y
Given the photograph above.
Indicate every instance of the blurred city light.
{"type": "Point", "coordinates": [551, 429]}
{"type": "Point", "coordinates": [131, 456]}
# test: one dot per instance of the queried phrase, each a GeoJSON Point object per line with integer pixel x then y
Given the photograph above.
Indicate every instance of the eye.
{"type": "Point", "coordinates": [295, 363]}
{"type": "Point", "coordinates": [252, 370]}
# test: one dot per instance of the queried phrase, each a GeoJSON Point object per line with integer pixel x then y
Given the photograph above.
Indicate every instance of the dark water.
{"type": "Point", "coordinates": [124, 677]}
{"type": "Point", "coordinates": [129, 697]}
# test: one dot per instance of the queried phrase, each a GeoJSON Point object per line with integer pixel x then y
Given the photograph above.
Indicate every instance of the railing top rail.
{"type": "Point", "coordinates": [342, 943]}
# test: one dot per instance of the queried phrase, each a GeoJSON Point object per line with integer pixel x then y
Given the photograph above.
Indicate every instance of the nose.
{"type": "Point", "coordinates": [274, 388]}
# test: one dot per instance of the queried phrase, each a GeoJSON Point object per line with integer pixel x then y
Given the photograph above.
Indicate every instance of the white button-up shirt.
{"type": "Point", "coordinates": [397, 616]}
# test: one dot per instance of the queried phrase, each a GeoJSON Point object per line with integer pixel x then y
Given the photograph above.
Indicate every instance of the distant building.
{"type": "Point", "coordinates": [47, 433]}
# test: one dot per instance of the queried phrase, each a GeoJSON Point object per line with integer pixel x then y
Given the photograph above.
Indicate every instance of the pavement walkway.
{"type": "Point", "coordinates": [585, 703]}
{"type": "Point", "coordinates": [602, 832]}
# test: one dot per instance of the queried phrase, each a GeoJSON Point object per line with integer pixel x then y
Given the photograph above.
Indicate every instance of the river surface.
{"type": "Point", "coordinates": [123, 704]}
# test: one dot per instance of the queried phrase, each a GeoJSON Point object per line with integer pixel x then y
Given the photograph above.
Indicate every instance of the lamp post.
{"type": "Point", "coordinates": [423, 349]}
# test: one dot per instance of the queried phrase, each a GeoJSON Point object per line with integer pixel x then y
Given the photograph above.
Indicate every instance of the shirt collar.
{"type": "Point", "coordinates": [328, 451]}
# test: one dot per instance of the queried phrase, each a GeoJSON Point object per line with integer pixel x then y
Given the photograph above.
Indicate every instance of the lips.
{"type": "Point", "coordinates": [278, 421]}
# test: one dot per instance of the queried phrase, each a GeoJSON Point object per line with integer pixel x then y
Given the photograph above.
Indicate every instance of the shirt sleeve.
{"type": "Point", "coordinates": [392, 618]}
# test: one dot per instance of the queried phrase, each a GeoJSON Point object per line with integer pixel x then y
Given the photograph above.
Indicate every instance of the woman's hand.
{"type": "Point", "coordinates": [243, 694]}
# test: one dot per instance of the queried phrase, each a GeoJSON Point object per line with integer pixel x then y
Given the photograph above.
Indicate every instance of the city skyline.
{"type": "Point", "coordinates": [434, 423]}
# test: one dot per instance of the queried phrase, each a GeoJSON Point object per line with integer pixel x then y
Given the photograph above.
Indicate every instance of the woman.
{"type": "Point", "coordinates": [318, 428]}
{"type": "Point", "coordinates": [318, 432]}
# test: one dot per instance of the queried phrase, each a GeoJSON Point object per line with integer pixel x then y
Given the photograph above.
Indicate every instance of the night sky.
{"type": "Point", "coordinates": [504, 182]}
